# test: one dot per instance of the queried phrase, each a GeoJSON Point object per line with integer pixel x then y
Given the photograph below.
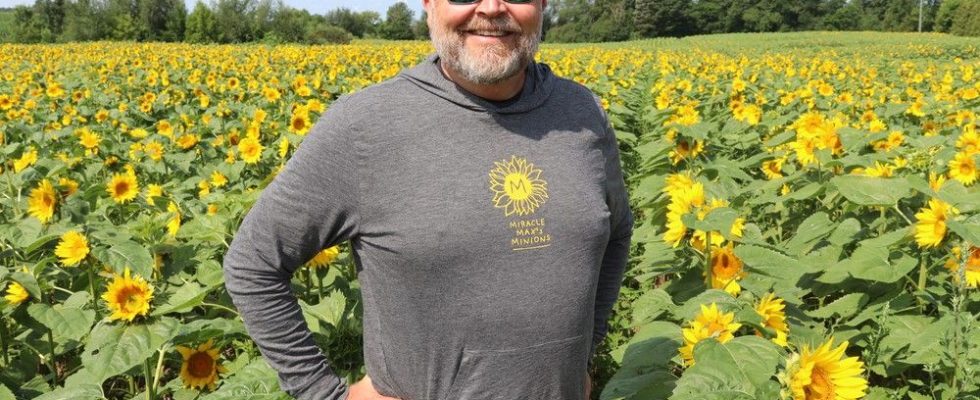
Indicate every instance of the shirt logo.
{"type": "Point", "coordinates": [517, 186]}
{"type": "Point", "coordinates": [519, 190]}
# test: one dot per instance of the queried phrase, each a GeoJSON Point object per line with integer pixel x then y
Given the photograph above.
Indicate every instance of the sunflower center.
{"type": "Point", "coordinates": [517, 186]}
{"type": "Point", "coordinates": [122, 188]}
{"type": "Point", "coordinates": [200, 365]}
{"type": "Point", "coordinates": [129, 299]}
{"type": "Point", "coordinates": [966, 169]}
{"type": "Point", "coordinates": [821, 387]}
{"type": "Point", "coordinates": [298, 123]}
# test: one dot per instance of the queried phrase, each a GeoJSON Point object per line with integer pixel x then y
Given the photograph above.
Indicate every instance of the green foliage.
{"type": "Point", "coordinates": [328, 34]}
{"type": "Point", "coordinates": [398, 23]}
{"type": "Point", "coordinates": [965, 22]}
{"type": "Point", "coordinates": [202, 26]}
{"type": "Point", "coordinates": [359, 24]}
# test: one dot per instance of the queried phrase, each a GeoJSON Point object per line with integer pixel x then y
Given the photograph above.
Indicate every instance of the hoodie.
{"type": "Point", "coordinates": [490, 239]}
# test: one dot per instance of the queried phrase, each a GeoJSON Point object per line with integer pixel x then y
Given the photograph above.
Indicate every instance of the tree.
{"type": "Point", "coordinates": [965, 22]}
{"type": "Point", "coordinates": [944, 16]}
{"type": "Point", "coordinates": [398, 22]}
{"type": "Point", "coordinates": [421, 27]}
{"type": "Point", "coordinates": [656, 18]}
{"type": "Point", "coordinates": [234, 21]}
{"type": "Point", "coordinates": [201, 25]}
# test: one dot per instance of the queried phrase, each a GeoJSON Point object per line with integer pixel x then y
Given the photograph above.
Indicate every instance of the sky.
{"type": "Point", "coordinates": [313, 6]}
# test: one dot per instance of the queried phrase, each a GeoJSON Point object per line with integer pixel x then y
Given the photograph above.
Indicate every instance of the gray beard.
{"type": "Point", "coordinates": [492, 65]}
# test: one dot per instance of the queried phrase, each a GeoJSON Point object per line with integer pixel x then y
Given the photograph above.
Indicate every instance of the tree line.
{"type": "Point", "coordinates": [237, 21]}
{"type": "Point", "coordinates": [219, 21]}
{"type": "Point", "coordinates": [614, 20]}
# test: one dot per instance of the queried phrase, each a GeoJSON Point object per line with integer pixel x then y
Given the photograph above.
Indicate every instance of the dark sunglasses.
{"type": "Point", "coordinates": [477, 1]}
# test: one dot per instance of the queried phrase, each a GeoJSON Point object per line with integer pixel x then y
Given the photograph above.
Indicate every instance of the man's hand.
{"type": "Point", "coordinates": [588, 385]}
{"type": "Point", "coordinates": [364, 390]}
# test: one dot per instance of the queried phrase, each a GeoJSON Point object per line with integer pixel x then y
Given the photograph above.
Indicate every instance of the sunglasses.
{"type": "Point", "coordinates": [477, 1]}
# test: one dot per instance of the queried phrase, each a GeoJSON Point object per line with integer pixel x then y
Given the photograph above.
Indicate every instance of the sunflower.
{"type": "Point", "coordinates": [771, 308]}
{"type": "Point", "coordinates": [710, 323]}
{"type": "Point", "coordinates": [88, 139]}
{"type": "Point", "coordinates": [218, 179]}
{"type": "Point", "coordinates": [825, 374]}
{"type": "Point", "coordinates": [517, 186]}
{"type": "Point", "coordinates": [726, 270]}
{"type": "Point", "coordinates": [26, 160]}
{"type": "Point", "coordinates": [123, 187]}
{"type": "Point", "coordinates": [773, 168]}
{"type": "Point", "coordinates": [299, 122]}
{"type": "Point", "coordinates": [42, 201]}
{"type": "Point", "coordinates": [68, 186]}
{"type": "Point", "coordinates": [16, 294]}
{"type": "Point", "coordinates": [200, 367]}
{"type": "Point", "coordinates": [324, 257]}
{"type": "Point", "coordinates": [187, 141]}
{"type": "Point", "coordinates": [173, 225]}
{"type": "Point", "coordinates": [72, 248]}
{"type": "Point", "coordinates": [128, 297]}
{"type": "Point", "coordinates": [963, 168]}
{"type": "Point", "coordinates": [930, 228]}
{"type": "Point", "coordinates": [154, 150]}
{"type": "Point", "coordinates": [971, 268]}
{"type": "Point", "coordinates": [250, 150]}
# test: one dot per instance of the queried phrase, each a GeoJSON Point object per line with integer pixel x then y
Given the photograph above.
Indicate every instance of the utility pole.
{"type": "Point", "coordinates": [920, 15]}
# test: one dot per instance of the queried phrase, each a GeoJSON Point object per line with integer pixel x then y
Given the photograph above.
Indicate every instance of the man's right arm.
{"type": "Point", "coordinates": [310, 205]}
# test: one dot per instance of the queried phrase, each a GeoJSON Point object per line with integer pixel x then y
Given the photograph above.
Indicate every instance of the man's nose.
{"type": "Point", "coordinates": [490, 7]}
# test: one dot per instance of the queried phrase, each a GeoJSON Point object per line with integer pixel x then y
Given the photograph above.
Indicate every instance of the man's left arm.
{"type": "Point", "coordinates": [617, 250]}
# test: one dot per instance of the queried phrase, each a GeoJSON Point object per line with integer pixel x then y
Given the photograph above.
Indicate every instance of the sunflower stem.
{"type": "Point", "coordinates": [309, 280]}
{"type": "Point", "coordinates": [159, 369]}
{"type": "Point", "coordinates": [150, 395]}
{"type": "Point", "coordinates": [707, 259]}
{"type": "Point", "coordinates": [319, 286]}
{"type": "Point", "coordinates": [54, 372]}
{"type": "Point", "coordinates": [91, 285]}
{"type": "Point", "coordinates": [3, 341]}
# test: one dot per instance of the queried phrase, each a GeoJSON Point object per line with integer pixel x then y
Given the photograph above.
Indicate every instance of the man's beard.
{"type": "Point", "coordinates": [491, 64]}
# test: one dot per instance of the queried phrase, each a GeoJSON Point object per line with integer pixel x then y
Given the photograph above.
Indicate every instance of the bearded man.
{"type": "Point", "coordinates": [487, 216]}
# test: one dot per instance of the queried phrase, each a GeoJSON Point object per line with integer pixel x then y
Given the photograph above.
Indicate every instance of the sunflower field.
{"type": "Point", "coordinates": [806, 205]}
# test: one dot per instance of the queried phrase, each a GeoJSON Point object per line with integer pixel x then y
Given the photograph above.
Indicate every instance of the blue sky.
{"type": "Point", "coordinates": [314, 6]}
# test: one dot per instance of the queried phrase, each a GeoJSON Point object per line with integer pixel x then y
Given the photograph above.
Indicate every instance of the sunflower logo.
{"type": "Point", "coordinates": [517, 186]}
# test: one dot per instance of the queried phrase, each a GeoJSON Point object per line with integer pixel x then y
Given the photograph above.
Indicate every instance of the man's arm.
{"type": "Point", "coordinates": [617, 250]}
{"type": "Point", "coordinates": [310, 205]}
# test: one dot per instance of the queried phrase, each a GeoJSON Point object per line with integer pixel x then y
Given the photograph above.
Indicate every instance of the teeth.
{"type": "Point", "coordinates": [490, 33]}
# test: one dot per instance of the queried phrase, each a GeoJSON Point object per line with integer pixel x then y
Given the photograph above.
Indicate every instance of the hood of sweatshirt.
{"type": "Point", "coordinates": [539, 82]}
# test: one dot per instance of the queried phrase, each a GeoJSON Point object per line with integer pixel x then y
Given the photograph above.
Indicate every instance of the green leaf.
{"type": "Point", "coordinates": [645, 363]}
{"type": "Point", "coordinates": [969, 230]}
{"type": "Point", "coordinates": [768, 269]}
{"type": "Point", "coordinates": [651, 305]}
{"type": "Point", "coordinates": [257, 379]}
{"type": "Point", "coordinates": [845, 306]}
{"type": "Point", "coordinates": [719, 220]}
{"type": "Point", "coordinates": [113, 349]}
{"type": "Point", "coordinates": [6, 394]}
{"type": "Point", "coordinates": [64, 322]}
{"type": "Point", "coordinates": [186, 297]}
{"type": "Point", "coordinates": [872, 191]}
{"type": "Point", "coordinates": [28, 282]}
{"type": "Point", "coordinates": [806, 192]}
{"type": "Point", "coordinates": [127, 253]}
{"type": "Point", "coordinates": [74, 392]}
{"type": "Point", "coordinates": [743, 368]}
{"type": "Point", "coordinates": [812, 229]}
{"type": "Point", "coordinates": [330, 309]}
{"type": "Point", "coordinates": [692, 307]}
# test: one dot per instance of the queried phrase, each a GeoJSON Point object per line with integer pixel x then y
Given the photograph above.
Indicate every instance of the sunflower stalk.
{"type": "Point", "coordinates": [3, 341]}
{"type": "Point", "coordinates": [157, 372]}
{"type": "Point", "coordinates": [150, 395]}
{"type": "Point", "coordinates": [91, 285]}
{"type": "Point", "coordinates": [707, 260]}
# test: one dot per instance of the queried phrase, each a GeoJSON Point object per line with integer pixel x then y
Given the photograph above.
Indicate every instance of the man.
{"type": "Point", "coordinates": [486, 209]}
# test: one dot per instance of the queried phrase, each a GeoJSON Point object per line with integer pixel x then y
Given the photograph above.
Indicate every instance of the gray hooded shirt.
{"type": "Point", "coordinates": [490, 239]}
